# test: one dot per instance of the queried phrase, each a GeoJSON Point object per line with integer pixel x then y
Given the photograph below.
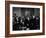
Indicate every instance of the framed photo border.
{"type": "Point", "coordinates": [7, 18]}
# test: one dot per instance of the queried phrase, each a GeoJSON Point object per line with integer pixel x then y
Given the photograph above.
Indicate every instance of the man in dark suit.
{"type": "Point", "coordinates": [31, 23]}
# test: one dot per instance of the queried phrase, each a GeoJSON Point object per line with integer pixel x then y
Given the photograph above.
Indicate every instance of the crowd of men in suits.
{"type": "Point", "coordinates": [26, 23]}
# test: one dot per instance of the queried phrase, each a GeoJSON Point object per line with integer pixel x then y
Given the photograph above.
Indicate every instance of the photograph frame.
{"type": "Point", "coordinates": [7, 18]}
